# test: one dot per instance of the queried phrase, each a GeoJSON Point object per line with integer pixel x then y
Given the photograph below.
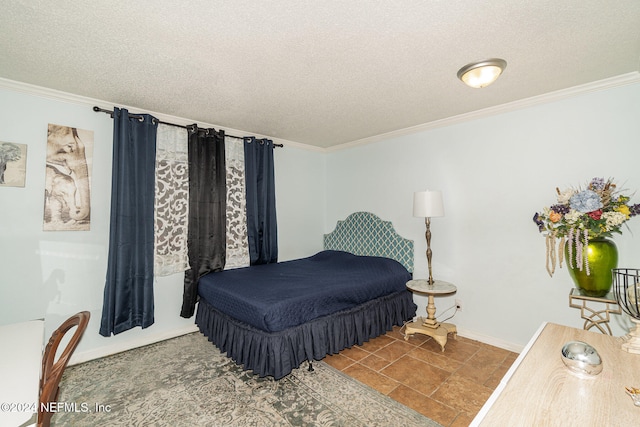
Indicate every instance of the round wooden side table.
{"type": "Point", "coordinates": [429, 325]}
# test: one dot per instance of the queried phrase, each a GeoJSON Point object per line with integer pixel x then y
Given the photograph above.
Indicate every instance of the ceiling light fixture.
{"type": "Point", "coordinates": [483, 73]}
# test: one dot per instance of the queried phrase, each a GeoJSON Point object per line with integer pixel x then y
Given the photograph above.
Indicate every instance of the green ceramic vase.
{"type": "Point", "coordinates": [603, 256]}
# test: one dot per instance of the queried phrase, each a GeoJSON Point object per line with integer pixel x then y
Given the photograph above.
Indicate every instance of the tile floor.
{"type": "Point", "coordinates": [449, 387]}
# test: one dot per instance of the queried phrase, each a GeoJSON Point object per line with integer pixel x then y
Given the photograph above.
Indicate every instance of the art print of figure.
{"type": "Point", "coordinates": [67, 195]}
{"type": "Point", "coordinates": [13, 164]}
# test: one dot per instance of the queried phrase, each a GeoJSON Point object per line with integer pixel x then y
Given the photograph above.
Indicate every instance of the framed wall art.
{"type": "Point", "coordinates": [13, 164]}
{"type": "Point", "coordinates": [67, 194]}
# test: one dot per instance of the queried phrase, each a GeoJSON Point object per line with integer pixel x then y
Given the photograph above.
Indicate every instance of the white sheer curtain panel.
{"type": "Point", "coordinates": [237, 241]}
{"type": "Point", "coordinates": [171, 201]}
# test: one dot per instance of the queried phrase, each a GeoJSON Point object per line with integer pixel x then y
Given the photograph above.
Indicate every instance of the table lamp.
{"type": "Point", "coordinates": [428, 204]}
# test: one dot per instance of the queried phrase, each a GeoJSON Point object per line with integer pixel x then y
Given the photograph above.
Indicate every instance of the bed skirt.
{"type": "Point", "coordinates": [277, 353]}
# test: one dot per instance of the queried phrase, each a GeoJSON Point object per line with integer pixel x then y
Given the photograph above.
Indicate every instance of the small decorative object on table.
{"type": "Point", "coordinates": [578, 227]}
{"type": "Point", "coordinates": [626, 290]}
{"type": "Point", "coordinates": [635, 394]}
{"type": "Point", "coordinates": [581, 358]}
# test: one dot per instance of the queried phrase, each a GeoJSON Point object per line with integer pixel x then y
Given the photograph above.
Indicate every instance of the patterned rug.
{"type": "Point", "coordinates": [186, 381]}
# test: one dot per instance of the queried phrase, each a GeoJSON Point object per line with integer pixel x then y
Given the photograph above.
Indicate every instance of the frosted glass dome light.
{"type": "Point", "coordinates": [483, 73]}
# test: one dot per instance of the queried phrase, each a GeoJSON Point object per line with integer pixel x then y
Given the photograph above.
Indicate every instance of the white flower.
{"type": "Point", "coordinates": [614, 219]}
{"type": "Point", "coordinates": [573, 216]}
{"type": "Point", "coordinates": [563, 198]}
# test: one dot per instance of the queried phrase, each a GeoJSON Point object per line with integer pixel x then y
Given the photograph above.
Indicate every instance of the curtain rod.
{"type": "Point", "coordinates": [137, 116]}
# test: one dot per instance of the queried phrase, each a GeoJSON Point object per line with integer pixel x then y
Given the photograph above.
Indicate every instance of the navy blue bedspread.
{"type": "Point", "coordinates": [274, 297]}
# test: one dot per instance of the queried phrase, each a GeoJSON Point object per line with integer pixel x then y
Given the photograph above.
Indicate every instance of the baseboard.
{"type": "Point", "coordinates": [97, 353]}
{"type": "Point", "coordinates": [487, 339]}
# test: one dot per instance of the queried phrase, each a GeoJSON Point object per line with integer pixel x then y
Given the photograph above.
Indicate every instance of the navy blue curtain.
{"type": "Point", "coordinates": [262, 227]}
{"type": "Point", "coordinates": [128, 291]}
{"type": "Point", "coordinates": [206, 238]}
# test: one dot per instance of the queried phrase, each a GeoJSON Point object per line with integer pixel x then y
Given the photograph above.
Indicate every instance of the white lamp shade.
{"type": "Point", "coordinates": [428, 204]}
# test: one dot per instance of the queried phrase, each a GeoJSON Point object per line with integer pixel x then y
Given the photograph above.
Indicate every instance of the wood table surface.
{"type": "Point", "coordinates": [539, 390]}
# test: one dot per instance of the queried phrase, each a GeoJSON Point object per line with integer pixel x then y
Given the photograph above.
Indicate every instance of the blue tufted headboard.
{"type": "Point", "coordinates": [363, 233]}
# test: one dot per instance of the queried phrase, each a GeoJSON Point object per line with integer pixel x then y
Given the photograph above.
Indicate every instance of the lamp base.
{"type": "Point", "coordinates": [631, 342]}
{"type": "Point", "coordinates": [431, 323]}
{"type": "Point", "coordinates": [439, 333]}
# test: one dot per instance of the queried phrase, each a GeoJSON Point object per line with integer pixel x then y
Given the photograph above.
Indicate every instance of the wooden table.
{"type": "Point", "coordinates": [20, 364]}
{"type": "Point", "coordinates": [429, 325]}
{"type": "Point", "coordinates": [539, 390]}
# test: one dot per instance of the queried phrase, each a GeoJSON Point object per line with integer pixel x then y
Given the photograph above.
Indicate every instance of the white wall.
{"type": "Point", "coordinates": [495, 173]}
{"type": "Point", "coordinates": [300, 198]}
{"type": "Point", "coordinates": [53, 275]}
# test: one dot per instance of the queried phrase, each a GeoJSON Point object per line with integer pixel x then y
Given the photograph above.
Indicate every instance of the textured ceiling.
{"type": "Point", "coordinates": [319, 73]}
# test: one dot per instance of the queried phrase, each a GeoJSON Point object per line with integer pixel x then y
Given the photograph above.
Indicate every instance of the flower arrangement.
{"type": "Point", "coordinates": [599, 210]}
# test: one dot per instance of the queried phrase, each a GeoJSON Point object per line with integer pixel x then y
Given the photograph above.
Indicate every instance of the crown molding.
{"type": "Point", "coordinates": [621, 80]}
{"type": "Point", "coordinates": [57, 95]}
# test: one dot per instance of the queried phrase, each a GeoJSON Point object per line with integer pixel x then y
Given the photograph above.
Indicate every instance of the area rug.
{"type": "Point", "coordinates": [186, 381]}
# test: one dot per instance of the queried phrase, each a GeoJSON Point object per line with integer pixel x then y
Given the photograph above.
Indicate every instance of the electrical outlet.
{"type": "Point", "coordinates": [458, 305]}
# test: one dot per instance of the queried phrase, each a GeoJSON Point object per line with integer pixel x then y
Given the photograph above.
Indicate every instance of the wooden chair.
{"type": "Point", "coordinates": [52, 370]}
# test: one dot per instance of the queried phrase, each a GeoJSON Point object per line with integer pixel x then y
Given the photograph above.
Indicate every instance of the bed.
{"type": "Point", "coordinates": [271, 318]}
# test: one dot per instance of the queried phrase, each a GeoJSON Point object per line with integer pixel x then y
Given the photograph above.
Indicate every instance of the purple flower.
{"type": "Point", "coordinates": [597, 184]}
{"type": "Point", "coordinates": [539, 222]}
{"type": "Point", "coordinates": [561, 209]}
{"type": "Point", "coordinates": [585, 201]}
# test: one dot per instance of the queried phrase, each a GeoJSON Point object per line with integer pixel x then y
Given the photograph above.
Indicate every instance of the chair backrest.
{"type": "Point", "coordinates": [52, 370]}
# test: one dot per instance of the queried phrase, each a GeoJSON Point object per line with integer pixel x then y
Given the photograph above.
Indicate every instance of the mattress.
{"type": "Point", "coordinates": [274, 297]}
